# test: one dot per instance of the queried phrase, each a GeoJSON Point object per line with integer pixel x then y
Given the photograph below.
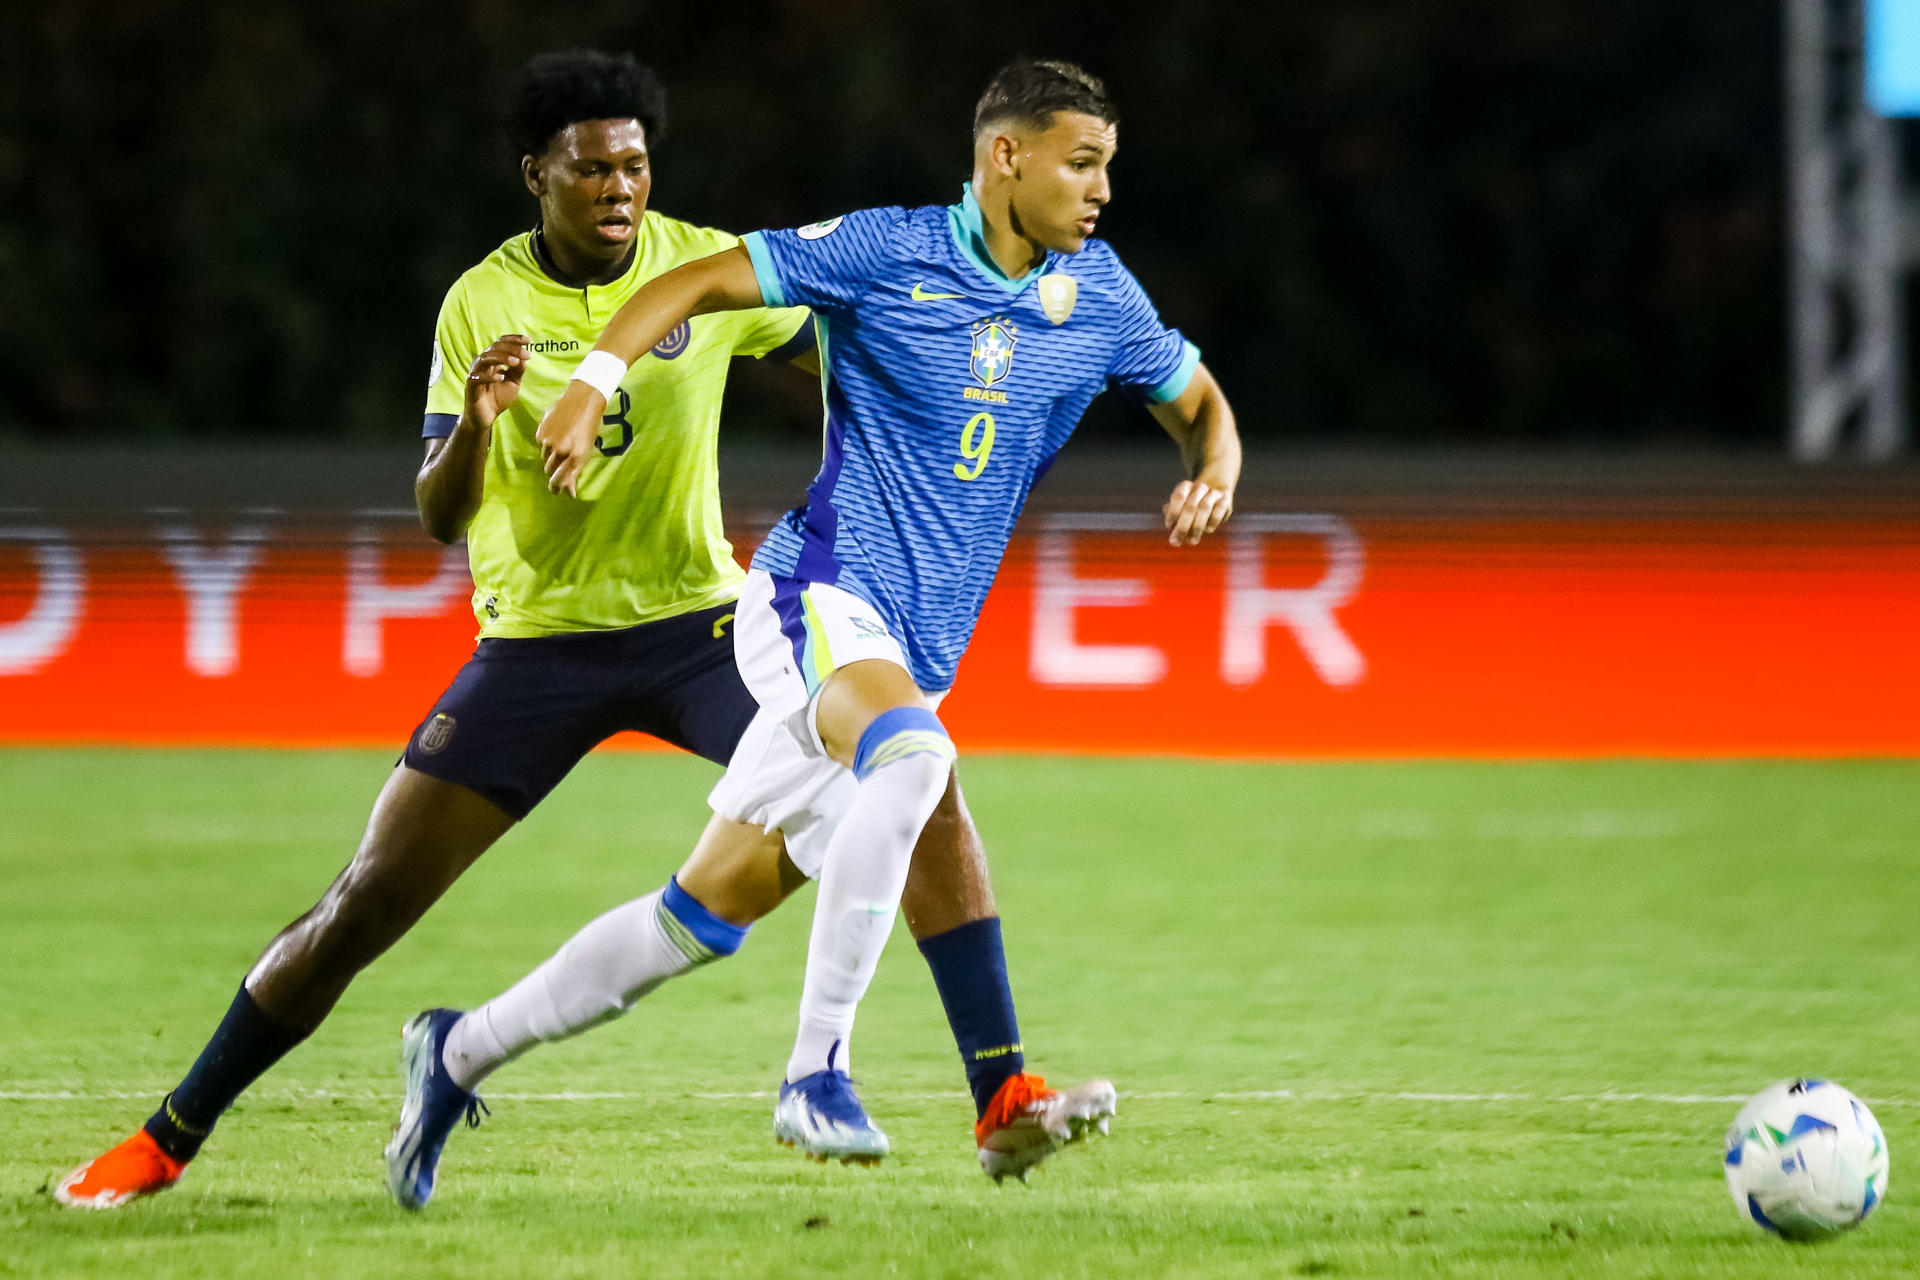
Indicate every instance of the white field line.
{"type": "Point", "coordinates": [1236, 1095]}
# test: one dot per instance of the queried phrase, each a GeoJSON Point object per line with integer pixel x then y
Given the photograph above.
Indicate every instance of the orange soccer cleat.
{"type": "Point", "coordinates": [1026, 1122]}
{"type": "Point", "coordinates": [135, 1168]}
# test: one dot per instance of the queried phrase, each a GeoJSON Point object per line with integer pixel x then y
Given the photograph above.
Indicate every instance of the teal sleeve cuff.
{"type": "Point", "coordinates": [763, 270]}
{"type": "Point", "coordinates": [1176, 383]}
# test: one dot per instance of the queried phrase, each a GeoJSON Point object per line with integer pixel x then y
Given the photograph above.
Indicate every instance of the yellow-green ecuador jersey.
{"type": "Point", "coordinates": [643, 540]}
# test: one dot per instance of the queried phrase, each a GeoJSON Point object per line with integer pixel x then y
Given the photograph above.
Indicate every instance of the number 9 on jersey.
{"type": "Point", "coordinates": [976, 446]}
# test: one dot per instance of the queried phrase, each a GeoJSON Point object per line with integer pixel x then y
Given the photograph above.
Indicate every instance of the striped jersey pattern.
{"type": "Point", "coordinates": [948, 392]}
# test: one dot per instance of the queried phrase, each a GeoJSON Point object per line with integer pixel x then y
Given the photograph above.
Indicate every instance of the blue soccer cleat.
{"type": "Point", "coordinates": [434, 1105]}
{"type": "Point", "coordinates": [821, 1116]}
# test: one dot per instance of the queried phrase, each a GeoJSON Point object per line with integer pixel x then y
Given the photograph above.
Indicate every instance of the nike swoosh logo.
{"type": "Point", "coordinates": [920, 293]}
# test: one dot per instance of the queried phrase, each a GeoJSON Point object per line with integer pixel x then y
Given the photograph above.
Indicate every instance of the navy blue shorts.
{"type": "Point", "coordinates": [521, 713]}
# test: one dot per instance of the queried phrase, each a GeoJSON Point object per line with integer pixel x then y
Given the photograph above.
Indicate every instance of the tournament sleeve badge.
{"type": "Point", "coordinates": [1058, 293]}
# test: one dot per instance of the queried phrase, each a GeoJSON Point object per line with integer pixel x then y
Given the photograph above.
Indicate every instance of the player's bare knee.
{"type": "Point", "coordinates": [854, 697]}
{"type": "Point", "coordinates": [737, 870]}
{"type": "Point", "coordinates": [365, 911]}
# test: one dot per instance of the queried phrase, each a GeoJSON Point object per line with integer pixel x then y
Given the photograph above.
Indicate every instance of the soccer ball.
{"type": "Point", "coordinates": [1806, 1160]}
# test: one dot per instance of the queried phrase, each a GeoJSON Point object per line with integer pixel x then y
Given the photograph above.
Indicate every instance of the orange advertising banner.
{"type": "Point", "coordinates": [1290, 635]}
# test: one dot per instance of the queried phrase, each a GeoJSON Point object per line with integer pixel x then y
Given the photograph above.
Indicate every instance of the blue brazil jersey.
{"type": "Point", "coordinates": [949, 389]}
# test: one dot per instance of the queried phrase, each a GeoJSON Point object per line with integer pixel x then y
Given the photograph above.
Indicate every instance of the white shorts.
{"type": "Point", "coordinates": [786, 642]}
{"type": "Point", "coordinates": [774, 785]}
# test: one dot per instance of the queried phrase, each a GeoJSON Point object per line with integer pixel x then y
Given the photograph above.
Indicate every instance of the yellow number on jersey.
{"type": "Point", "coordinates": [976, 445]}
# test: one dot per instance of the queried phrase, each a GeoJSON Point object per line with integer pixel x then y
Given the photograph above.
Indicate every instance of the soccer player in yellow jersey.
{"type": "Point", "coordinates": [595, 617]}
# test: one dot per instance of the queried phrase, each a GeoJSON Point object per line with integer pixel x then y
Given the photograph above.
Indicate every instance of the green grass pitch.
{"type": "Point", "coordinates": [1366, 1020]}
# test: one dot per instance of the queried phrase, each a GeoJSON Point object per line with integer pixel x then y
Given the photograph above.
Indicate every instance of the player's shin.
{"type": "Point", "coordinates": [970, 971]}
{"type": "Point", "coordinates": [600, 973]}
{"type": "Point", "coordinates": [902, 764]}
{"type": "Point", "coordinates": [246, 1043]}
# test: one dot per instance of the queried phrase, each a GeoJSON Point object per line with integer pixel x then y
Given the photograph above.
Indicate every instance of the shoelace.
{"type": "Point", "coordinates": [476, 1108]}
{"type": "Point", "coordinates": [835, 1099]}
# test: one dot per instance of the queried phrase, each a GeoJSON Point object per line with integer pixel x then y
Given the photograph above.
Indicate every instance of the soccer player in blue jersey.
{"type": "Point", "coordinates": [959, 346]}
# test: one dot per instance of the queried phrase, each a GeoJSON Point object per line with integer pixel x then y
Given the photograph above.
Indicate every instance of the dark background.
{"type": "Point", "coordinates": [1418, 222]}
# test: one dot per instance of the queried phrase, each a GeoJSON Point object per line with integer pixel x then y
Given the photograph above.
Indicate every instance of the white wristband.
{"type": "Point", "coordinates": [601, 370]}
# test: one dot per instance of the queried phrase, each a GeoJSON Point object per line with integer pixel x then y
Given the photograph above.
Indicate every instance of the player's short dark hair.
{"type": "Point", "coordinates": [1029, 90]}
{"type": "Point", "coordinates": [558, 89]}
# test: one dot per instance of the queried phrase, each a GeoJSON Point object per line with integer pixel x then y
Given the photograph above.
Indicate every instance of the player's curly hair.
{"type": "Point", "coordinates": [558, 89]}
{"type": "Point", "coordinates": [1028, 91]}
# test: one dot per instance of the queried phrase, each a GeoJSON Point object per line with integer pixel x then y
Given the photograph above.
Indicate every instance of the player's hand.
{"type": "Point", "coordinates": [566, 436]}
{"type": "Point", "coordinates": [1195, 510]}
{"type": "Point", "coordinates": [494, 381]}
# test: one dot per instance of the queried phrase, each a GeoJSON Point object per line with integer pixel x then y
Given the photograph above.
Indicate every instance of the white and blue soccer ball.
{"type": "Point", "coordinates": [1806, 1160]}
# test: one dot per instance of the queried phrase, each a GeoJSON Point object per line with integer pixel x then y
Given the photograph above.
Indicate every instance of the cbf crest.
{"type": "Point", "coordinates": [993, 342]}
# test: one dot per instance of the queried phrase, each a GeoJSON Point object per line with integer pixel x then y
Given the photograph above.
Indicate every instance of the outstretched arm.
{"type": "Point", "coordinates": [1201, 422]}
{"type": "Point", "coordinates": [723, 282]}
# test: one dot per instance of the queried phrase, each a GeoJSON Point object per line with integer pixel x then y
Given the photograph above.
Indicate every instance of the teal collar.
{"type": "Point", "coordinates": [970, 233]}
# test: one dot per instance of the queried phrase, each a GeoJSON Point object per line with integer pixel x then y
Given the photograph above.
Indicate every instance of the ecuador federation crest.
{"type": "Point", "coordinates": [438, 733]}
{"type": "Point", "coordinates": [993, 341]}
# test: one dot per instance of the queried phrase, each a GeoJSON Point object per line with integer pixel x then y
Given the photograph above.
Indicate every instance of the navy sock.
{"type": "Point", "coordinates": [246, 1043]}
{"type": "Point", "coordinates": [970, 971]}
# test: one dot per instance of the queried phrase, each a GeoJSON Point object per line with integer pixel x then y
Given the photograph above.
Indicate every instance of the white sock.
{"type": "Point", "coordinates": [864, 871]}
{"type": "Point", "coordinates": [598, 975]}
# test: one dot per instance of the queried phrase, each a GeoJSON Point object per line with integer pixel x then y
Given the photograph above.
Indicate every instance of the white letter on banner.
{"type": "Point", "coordinates": [61, 594]}
{"type": "Point", "coordinates": [212, 581]}
{"type": "Point", "coordinates": [43, 634]}
{"type": "Point", "coordinates": [370, 602]}
{"type": "Point", "coordinates": [1059, 659]}
{"type": "Point", "coordinates": [1252, 606]}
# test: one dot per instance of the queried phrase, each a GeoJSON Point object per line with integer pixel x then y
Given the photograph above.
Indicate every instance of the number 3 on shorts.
{"type": "Point", "coordinates": [976, 445]}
